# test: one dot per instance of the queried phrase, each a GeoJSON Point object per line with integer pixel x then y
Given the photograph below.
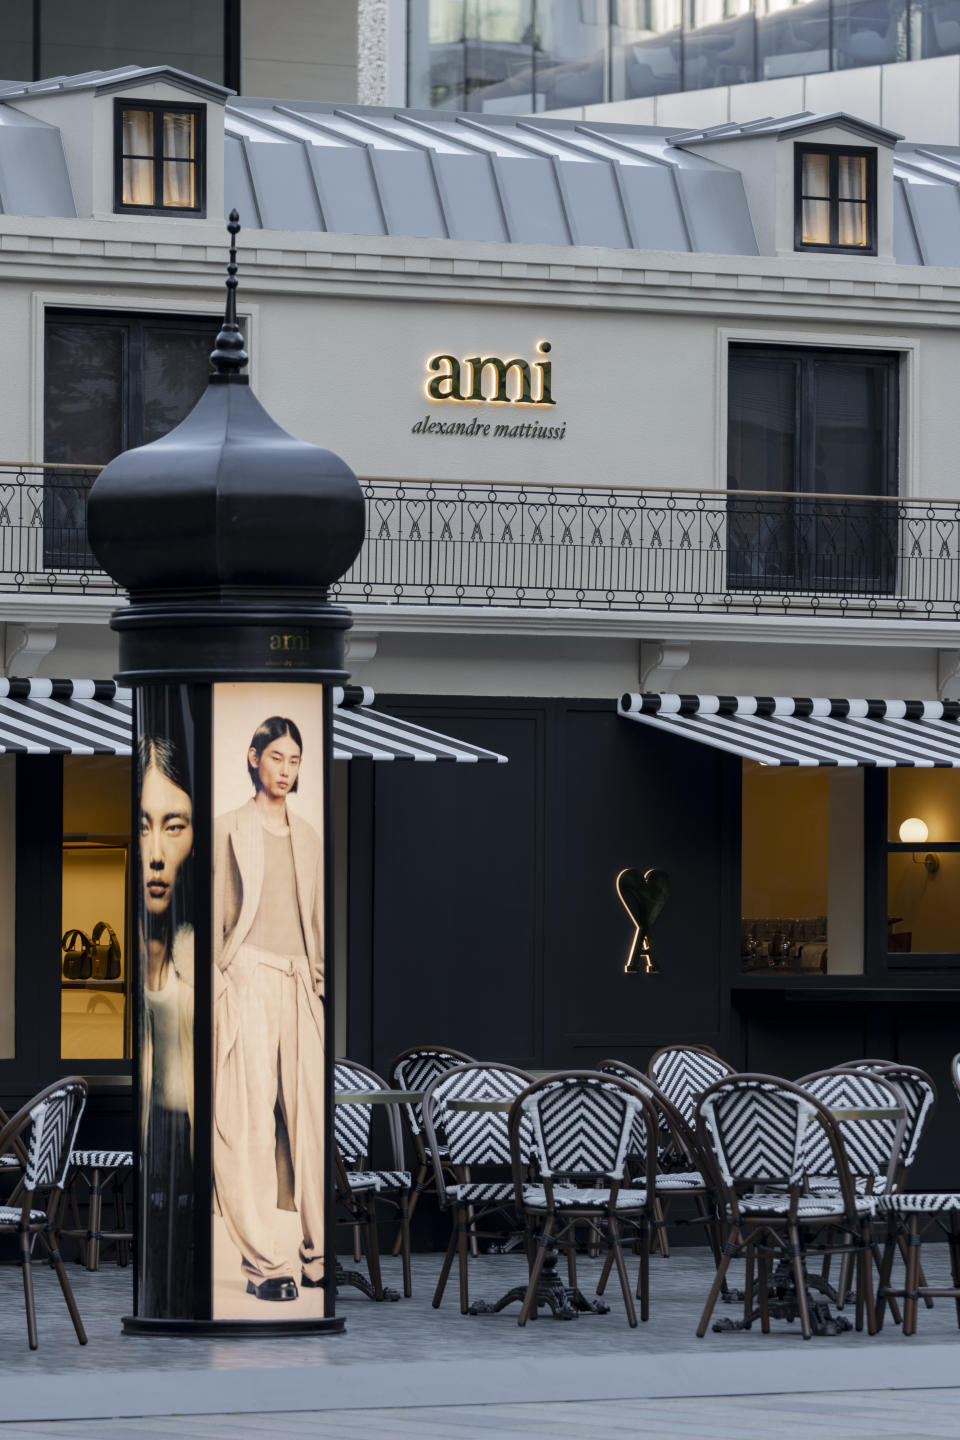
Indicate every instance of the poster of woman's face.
{"type": "Point", "coordinates": [268, 973]}
{"type": "Point", "coordinates": [165, 916]}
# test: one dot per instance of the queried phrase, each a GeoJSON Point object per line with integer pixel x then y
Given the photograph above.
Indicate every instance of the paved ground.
{"type": "Point", "coordinates": [404, 1369]}
{"type": "Point", "coordinates": [850, 1416]}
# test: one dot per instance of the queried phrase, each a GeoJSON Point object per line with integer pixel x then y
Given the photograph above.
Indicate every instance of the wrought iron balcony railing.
{"type": "Point", "coordinates": [591, 548]}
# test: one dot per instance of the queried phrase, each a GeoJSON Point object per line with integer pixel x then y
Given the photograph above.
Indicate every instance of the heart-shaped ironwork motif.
{"type": "Point", "coordinates": [643, 895]}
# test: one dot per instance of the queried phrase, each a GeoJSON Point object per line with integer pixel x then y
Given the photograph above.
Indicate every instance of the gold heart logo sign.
{"type": "Point", "coordinates": [643, 896]}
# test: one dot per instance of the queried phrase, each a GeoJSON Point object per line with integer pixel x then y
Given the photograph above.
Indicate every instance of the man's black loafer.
{"type": "Point", "coordinates": [281, 1287]}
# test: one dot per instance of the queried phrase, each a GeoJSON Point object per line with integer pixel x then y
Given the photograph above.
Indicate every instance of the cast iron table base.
{"type": "Point", "coordinates": [565, 1302]}
{"type": "Point", "coordinates": [782, 1304]}
{"type": "Point", "coordinates": [360, 1282]}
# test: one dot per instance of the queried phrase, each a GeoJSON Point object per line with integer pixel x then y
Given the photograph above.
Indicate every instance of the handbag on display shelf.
{"type": "Point", "coordinates": [105, 958]}
{"type": "Point", "coordinates": [77, 950]}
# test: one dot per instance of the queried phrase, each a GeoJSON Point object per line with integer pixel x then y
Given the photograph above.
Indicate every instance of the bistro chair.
{"type": "Point", "coordinates": [580, 1126]}
{"type": "Point", "coordinates": [414, 1069]}
{"type": "Point", "coordinates": [684, 1168]}
{"type": "Point", "coordinates": [909, 1219]}
{"type": "Point", "coordinates": [360, 1186]}
{"type": "Point", "coordinates": [469, 1140]}
{"type": "Point", "coordinates": [761, 1130]}
{"type": "Point", "coordinates": [46, 1128]}
{"type": "Point", "coordinates": [13, 1160]}
{"type": "Point", "coordinates": [683, 1072]}
{"type": "Point", "coordinates": [955, 1074]}
{"type": "Point", "coordinates": [102, 1174]}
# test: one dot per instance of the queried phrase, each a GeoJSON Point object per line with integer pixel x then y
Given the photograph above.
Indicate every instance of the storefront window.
{"type": "Point", "coordinates": [802, 873]}
{"type": "Point", "coordinates": [95, 980]}
{"type": "Point", "coordinates": [923, 862]}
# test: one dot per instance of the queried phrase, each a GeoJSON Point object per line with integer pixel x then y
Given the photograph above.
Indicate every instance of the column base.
{"type": "Point", "coordinates": [256, 1329]}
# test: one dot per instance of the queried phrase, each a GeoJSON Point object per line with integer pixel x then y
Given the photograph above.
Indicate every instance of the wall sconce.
{"type": "Point", "coordinates": [643, 896]}
{"type": "Point", "coordinates": [915, 832]}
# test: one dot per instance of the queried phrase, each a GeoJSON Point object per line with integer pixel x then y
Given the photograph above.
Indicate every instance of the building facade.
{"type": "Point", "coordinates": [636, 410]}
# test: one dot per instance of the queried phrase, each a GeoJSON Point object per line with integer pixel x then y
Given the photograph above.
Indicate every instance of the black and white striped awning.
{"type": "Point", "coordinates": [95, 717]}
{"type": "Point", "coordinates": [777, 730]}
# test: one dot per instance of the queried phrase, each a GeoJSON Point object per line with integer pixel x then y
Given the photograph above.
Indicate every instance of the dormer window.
{"type": "Point", "coordinates": [836, 199]}
{"type": "Point", "coordinates": [159, 158]}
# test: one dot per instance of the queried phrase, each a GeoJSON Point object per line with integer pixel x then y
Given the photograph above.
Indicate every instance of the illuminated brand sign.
{"type": "Point", "coordinates": [486, 379]}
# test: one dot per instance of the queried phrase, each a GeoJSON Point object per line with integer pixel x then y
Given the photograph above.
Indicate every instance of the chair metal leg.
{"type": "Point", "coordinates": [617, 1250]}
{"type": "Point", "coordinates": [94, 1221]}
{"type": "Point", "coordinates": [729, 1251]}
{"type": "Point", "coordinates": [867, 1281]}
{"type": "Point", "coordinates": [462, 1248]}
{"type": "Point", "coordinates": [417, 1184]}
{"type": "Point", "coordinates": [541, 1241]}
{"type": "Point", "coordinates": [31, 1304]}
{"type": "Point", "coordinates": [748, 1287]}
{"type": "Point", "coordinates": [405, 1246]}
{"type": "Point", "coordinates": [763, 1291]}
{"type": "Point", "coordinates": [607, 1267]}
{"type": "Point", "coordinates": [800, 1280]}
{"type": "Point", "coordinates": [357, 1247]}
{"type": "Point", "coordinates": [643, 1279]}
{"type": "Point", "coordinates": [661, 1209]}
{"type": "Point", "coordinates": [913, 1277]}
{"type": "Point", "coordinates": [56, 1261]}
{"type": "Point", "coordinates": [445, 1269]}
{"type": "Point", "coordinates": [953, 1244]}
{"type": "Point", "coordinates": [572, 1263]}
{"type": "Point", "coordinates": [372, 1247]}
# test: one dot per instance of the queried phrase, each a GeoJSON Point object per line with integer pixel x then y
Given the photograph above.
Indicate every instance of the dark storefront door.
{"type": "Point", "coordinates": [111, 382]}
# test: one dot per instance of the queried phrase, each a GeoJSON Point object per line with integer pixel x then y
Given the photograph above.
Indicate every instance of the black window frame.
{"type": "Point", "coordinates": [803, 508]}
{"type": "Point", "coordinates": [160, 107]}
{"type": "Point", "coordinates": [834, 152]}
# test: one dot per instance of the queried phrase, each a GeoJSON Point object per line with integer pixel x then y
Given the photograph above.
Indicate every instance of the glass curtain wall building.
{"type": "Point", "coordinates": [519, 56]}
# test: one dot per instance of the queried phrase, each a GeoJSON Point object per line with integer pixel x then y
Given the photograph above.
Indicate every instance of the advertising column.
{"type": "Point", "coordinates": [232, 648]}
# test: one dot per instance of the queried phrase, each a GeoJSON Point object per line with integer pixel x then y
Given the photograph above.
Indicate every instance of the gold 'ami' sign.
{"type": "Point", "coordinates": [489, 380]}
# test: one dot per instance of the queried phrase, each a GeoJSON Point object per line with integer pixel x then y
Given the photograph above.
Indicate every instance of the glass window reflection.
{"type": "Point", "coordinates": [718, 44]}
{"type": "Point", "coordinates": [868, 32]}
{"type": "Point", "coordinates": [570, 54]}
{"type": "Point", "coordinates": [793, 37]}
{"type": "Point", "coordinates": [471, 55]}
{"type": "Point", "coordinates": [645, 53]}
{"type": "Point", "coordinates": [934, 28]}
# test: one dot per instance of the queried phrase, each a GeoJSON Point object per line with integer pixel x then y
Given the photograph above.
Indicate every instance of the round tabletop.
{"type": "Point", "coordinates": [378, 1097]}
{"type": "Point", "coordinates": [866, 1112]}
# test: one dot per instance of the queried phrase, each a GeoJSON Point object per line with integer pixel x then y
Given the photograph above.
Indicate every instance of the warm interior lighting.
{"type": "Point", "coordinates": [913, 831]}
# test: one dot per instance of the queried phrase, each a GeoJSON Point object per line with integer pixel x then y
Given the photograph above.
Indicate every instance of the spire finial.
{"type": "Point", "coordinates": [229, 357]}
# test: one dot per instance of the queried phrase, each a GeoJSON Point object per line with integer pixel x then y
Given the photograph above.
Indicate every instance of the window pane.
{"type": "Point", "coordinates": [16, 48]}
{"type": "Point", "coordinates": [793, 37]}
{"type": "Point", "coordinates": [471, 55]}
{"type": "Point", "coordinates": [934, 28]}
{"type": "Point", "coordinates": [83, 389]}
{"type": "Point", "coordinates": [815, 175]}
{"type": "Point", "coordinates": [815, 222]}
{"type": "Point", "coordinates": [923, 910]}
{"type": "Point", "coordinates": [853, 224]}
{"type": "Point", "coordinates": [847, 443]}
{"type": "Point", "coordinates": [868, 32]}
{"type": "Point", "coordinates": [718, 46]}
{"type": "Point", "coordinates": [102, 34]}
{"type": "Point", "coordinates": [932, 796]}
{"type": "Point", "coordinates": [785, 869]}
{"type": "Point", "coordinates": [178, 135]}
{"type": "Point", "coordinates": [761, 455]}
{"type": "Point", "coordinates": [176, 363]}
{"type": "Point", "coordinates": [96, 831]}
{"type": "Point", "coordinates": [570, 54]}
{"type": "Point", "coordinates": [646, 41]}
{"type": "Point", "coordinates": [179, 183]}
{"type": "Point", "coordinates": [138, 182]}
{"type": "Point", "coordinates": [851, 177]}
{"type": "Point", "coordinates": [138, 132]}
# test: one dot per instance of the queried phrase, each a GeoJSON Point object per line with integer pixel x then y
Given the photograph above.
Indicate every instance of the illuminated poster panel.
{"type": "Point", "coordinates": [268, 969]}
{"type": "Point", "coordinates": [165, 936]}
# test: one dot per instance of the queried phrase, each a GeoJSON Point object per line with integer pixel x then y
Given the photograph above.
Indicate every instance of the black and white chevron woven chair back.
{"type": "Point", "coordinates": [477, 1137]}
{"type": "Point", "coordinates": [955, 1074]}
{"type": "Point", "coordinates": [637, 1144]}
{"type": "Point", "coordinates": [351, 1123]}
{"type": "Point", "coordinates": [53, 1129]}
{"type": "Point", "coordinates": [684, 1074]}
{"type": "Point", "coordinates": [919, 1100]}
{"type": "Point", "coordinates": [756, 1128]}
{"type": "Point", "coordinates": [581, 1125]}
{"type": "Point", "coordinates": [416, 1070]}
{"type": "Point", "coordinates": [870, 1146]}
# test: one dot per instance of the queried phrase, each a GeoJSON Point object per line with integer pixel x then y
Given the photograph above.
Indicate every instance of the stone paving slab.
{"type": "Point", "coordinates": [919, 1414]}
{"type": "Point", "coordinates": [406, 1355]}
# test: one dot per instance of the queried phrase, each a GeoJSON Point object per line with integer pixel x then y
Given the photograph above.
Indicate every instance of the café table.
{"type": "Point", "coordinates": [565, 1302]}
{"type": "Point", "coordinates": [371, 1097]}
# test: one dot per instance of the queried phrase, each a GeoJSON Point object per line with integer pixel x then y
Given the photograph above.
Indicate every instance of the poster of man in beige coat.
{"type": "Point", "coordinates": [268, 997]}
